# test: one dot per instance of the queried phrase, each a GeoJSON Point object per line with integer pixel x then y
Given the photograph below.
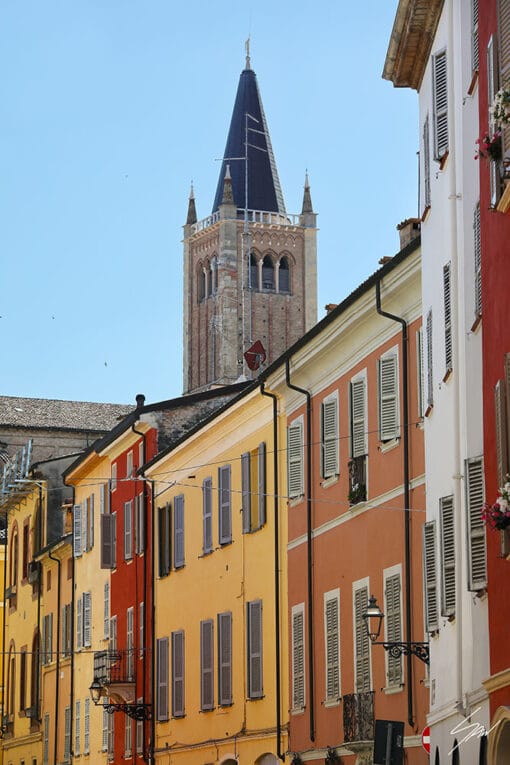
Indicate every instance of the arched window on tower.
{"type": "Point", "coordinates": [214, 276]}
{"type": "Point", "coordinates": [201, 283]}
{"type": "Point", "coordinates": [284, 275]}
{"type": "Point", "coordinates": [267, 274]}
{"type": "Point", "coordinates": [254, 273]}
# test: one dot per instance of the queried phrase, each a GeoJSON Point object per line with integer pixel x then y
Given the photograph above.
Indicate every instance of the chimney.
{"type": "Point", "coordinates": [408, 230]}
{"type": "Point", "coordinates": [140, 400]}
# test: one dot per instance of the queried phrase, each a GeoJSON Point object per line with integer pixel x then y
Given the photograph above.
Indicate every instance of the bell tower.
{"type": "Point", "coordinates": [250, 268]}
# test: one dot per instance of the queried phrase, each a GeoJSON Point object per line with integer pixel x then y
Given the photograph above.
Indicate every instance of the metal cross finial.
{"type": "Point", "coordinates": [247, 49]}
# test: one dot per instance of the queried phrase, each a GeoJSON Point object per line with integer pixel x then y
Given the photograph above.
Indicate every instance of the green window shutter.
{"type": "Point", "coordinates": [393, 626]}
{"type": "Point", "coordinates": [254, 631]}
{"type": "Point", "coordinates": [332, 637]}
{"type": "Point", "coordinates": [477, 559]}
{"type": "Point", "coordinates": [440, 102]}
{"type": "Point", "coordinates": [246, 491]}
{"type": "Point", "coordinates": [362, 645]}
{"type": "Point", "coordinates": [295, 459]}
{"type": "Point", "coordinates": [298, 659]}
{"type": "Point", "coordinates": [329, 438]}
{"type": "Point", "coordinates": [388, 398]}
{"type": "Point", "coordinates": [178, 673]}
{"type": "Point", "coordinates": [358, 418]}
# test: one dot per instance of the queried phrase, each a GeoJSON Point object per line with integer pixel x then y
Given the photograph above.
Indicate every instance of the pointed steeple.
{"type": "Point", "coordinates": [192, 213]}
{"type": "Point", "coordinates": [307, 197]}
{"type": "Point", "coordinates": [264, 190]}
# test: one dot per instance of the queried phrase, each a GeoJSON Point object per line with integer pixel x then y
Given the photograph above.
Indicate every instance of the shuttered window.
{"type": "Point", "coordinates": [358, 418]}
{"type": "Point", "coordinates": [448, 349]}
{"type": "Point", "coordinates": [500, 403]}
{"type": "Point", "coordinates": [224, 505]}
{"type": "Point", "coordinates": [164, 539]}
{"type": "Point", "coordinates": [128, 530]}
{"type": "Point", "coordinates": [430, 576]}
{"type": "Point", "coordinates": [504, 61]}
{"type": "Point", "coordinates": [47, 639]}
{"type": "Point", "coordinates": [207, 544]}
{"type": "Point", "coordinates": [420, 372]}
{"type": "Point", "coordinates": [332, 645]}
{"type": "Point", "coordinates": [329, 437]}
{"type": "Point", "coordinates": [262, 489]}
{"type": "Point", "coordinates": [362, 644]}
{"type": "Point", "coordinates": [91, 522]}
{"type": "Point", "coordinates": [298, 657]}
{"type": "Point", "coordinates": [474, 35]}
{"type": "Point", "coordinates": [440, 101]}
{"type": "Point", "coordinates": [225, 659]}
{"type": "Point", "coordinates": [141, 629]}
{"type": "Point", "coordinates": [86, 728]}
{"type": "Point", "coordinates": [295, 459]}
{"type": "Point", "coordinates": [67, 734]}
{"type": "Point", "coordinates": [46, 739]}
{"type": "Point", "coordinates": [492, 87]}
{"type": "Point", "coordinates": [139, 524]}
{"type": "Point", "coordinates": [246, 491]}
{"type": "Point", "coordinates": [388, 397]}
{"type": "Point", "coordinates": [430, 378]}
{"type": "Point", "coordinates": [66, 630]}
{"type": "Point", "coordinates": [87, 619]}
{"type": "Point", "coordinates": [477, 565]}
{"type": "Point", "coordinates": [111, 731]}
{"type": "Point", "coordinates": [113, 633]}
{"type": "Point", "coordinates": [393, 627]}
{"type": "Point", "coordinates": [128, 736]}
{"type": "Point", "coordinates": [77, 536]}
{"type": "Point", "coordinates": [79, 623]}
{"type": "Point", "coordinates": [207, 665]}
{"type": "Point", "coordinates": [179, 531]}
{"type": "Point", "coordinates": [130, 643]}
{"type": "Point", "coordinates": [85, 525]}
{"type": "Point", "coordinates": [254, 632]}
{"type": "Point", "coordinates": [426, 160]}
{"type": "Point", "coordinates": [139, 731]}
{"type": "Point", "coordinates": [113, 480]}
{"type": "Point", "coordinates": [178, 674]}
{"type": "Point", "coordinates": [106, 611]}
{"type": "Point", "coordinates": [77, 722]}
{"type": "Point", "coordinates": [108, 540]}
{"type": "Point", "coordinates": [104, 732]}
{"type": "Point", "coordinates": [447, 521]}
{"type": "Point", "coordinates": [104, 498]}
{"type": "Point", "coordinates": [162, 677]}
{"type": "Point", "coordinates": [478, 261]}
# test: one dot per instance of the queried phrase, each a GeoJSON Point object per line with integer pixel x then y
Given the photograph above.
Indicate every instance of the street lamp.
{"type": "Point", "coordinates": [373, 617]}
{"type": "Point", "coordinates": [137, 711]}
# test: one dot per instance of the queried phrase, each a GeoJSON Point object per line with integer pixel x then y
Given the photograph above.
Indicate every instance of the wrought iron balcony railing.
{"type": "Point", "coordinates": [359, 717]}
{"type": "Point", "coordinates": [357, 479]}
{"type": "Point", "coordinates": [114, 667]}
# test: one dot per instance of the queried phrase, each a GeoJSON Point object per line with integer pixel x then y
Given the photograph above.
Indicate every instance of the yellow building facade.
{"type": "Point", "coordinates": [220, 642]}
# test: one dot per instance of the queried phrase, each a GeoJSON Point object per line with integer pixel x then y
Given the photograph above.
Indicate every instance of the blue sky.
{"type": "Point", "coordinates": [111, 107]}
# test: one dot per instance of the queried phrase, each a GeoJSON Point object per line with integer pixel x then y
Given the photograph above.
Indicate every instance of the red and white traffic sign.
{"type": "Point", "coordinates": [425, 739]}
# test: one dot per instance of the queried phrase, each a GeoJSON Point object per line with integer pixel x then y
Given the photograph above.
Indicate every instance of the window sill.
{"type": "Point", "coordinates": [327, 482]}
{"type": "Point", "coordinates": [297, 712]}
{"type": "Point", "coordinates": [387, 446]}
{"type": "Point", "coordinates": [293, 501]}
{"type": "Point", "coordinates": [332, 703]}
{"type": "Point", "coordinates": [390, 690]}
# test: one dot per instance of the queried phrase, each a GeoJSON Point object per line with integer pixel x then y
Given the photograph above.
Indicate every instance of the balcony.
{"type": "Point", "coordinates": [114, 671]}
{"type": "Point", "coordinates": [357, 479]}
{"type": "Point", "coordinates": [359, 717]}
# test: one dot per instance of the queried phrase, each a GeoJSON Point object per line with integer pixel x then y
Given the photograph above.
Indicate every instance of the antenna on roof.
{"type": "Point", "coordinates": [247, 49]}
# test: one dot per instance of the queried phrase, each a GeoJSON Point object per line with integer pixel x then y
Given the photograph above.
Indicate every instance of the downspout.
{"type": "Point", "coordinates": [39, 589]}
{"type": "Point", "coordinates": [73, 630]}
{"type": "Point", "coordinates": [280, 754]}
{"type": "Point", "coordinates": [4, 624]}
{"type": "Point", "coordinates": [57, 664]}
{"type": "Point", "coordinates": [407, 498]}
{"type": "Point", "coordinates": [309, 566]}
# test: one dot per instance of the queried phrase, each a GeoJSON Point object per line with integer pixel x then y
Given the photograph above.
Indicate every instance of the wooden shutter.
{"type": "Point", "coordinates": [87, 619]}
{"type": "Point", "coordinates": [86, 728]}
{"type": "Point", "coordinates": [501, 431]}
{"type": "Point", "coordinates": [246, 491]}
{"type": "Point", "coordinates": [362, 647]}
{"type": "Point", "coordinates": [261, 462]}
{"type": "Point", "coordinates": [141, 629]}
{"type": "Point", "coordinates": [393, 626]}
{"type": "Point", "coordinates": [162, 678]}
{"type": "Point", "coordinates": [91, 522]}
{"type": "Point", "coordinates": [104, 741]}
{"type": "Point", "coordinates": [67, 734]}
{"type": "Point", "coordinates": [254, 630]}
{"type": "Point", "coordinates": [224, 506]}
{"type": "Point", "coordinates": [388, 398]}
{"type": "Point", "coordinates": [113, 633]}
{"type": "Point", "coordinates": [179, 531]}
{"type": "Point", "coordinates": [77, 729]}
{"type": "Point", "coordinates": [446, 514]}
{"type": "Point", "coordinates": [358, 419]}
{"type": "Point", "coordinates": [329, 438]}
{"type": "Point", "coordinates": [298, 659]}
{"type": "Point", "coordinates": [164, 539]}
{"type": "Point", "coordinates": [430, 576]}
{"type": "Point", "coordinates": [140, 523]}
{"type": "Point", "coordinates": [492, 87]}
{"type": "Point", "coordinates": [440, 101]}
{"type": "Point", "coordinates": [106, 611]}
{"type": "Point", "coordinates": [448, 349]}
{"type": "Point", "coordinates": [207, 664]}
{"type": "Point", "coordinates": [477, 564]}
{"type": "Point", "coordinates": [295, 459]}
{"type": "Point", "coordinates": [128, 530]}
{"type": "Point", "coordinates": [430, 379]}
{"type": "Point", "coordinates": [426, 160]}
{"type": "Point", "coordinates": [79, 623]}
{"type": "Point", "coordinates": [478, 260]}
{"type": "Point", "coordinates": [474, 36]}
{"type": "Point", "coordinates": [225, 659]}
{"type": "Point", "coordinates": [504, 60]}
{"type": "Point", "coordinates": [130, 642]}
{"type": "Point", "coordinates": [108, 540]}
{"type": "Point", "coordinates": [207, 515]}
{"type": "Point", "coordinates": [332, 640]}
{"type": "Point", "coordinates": [178, 674]}
{"type": "Point", "coordinates": [77, 539]}
{"type": "Point", "coordinates": [420, 372]}
{"type": "Point", "coordinates": [46, 739]}
{"type": "Point", "coordinates": [85, 525]}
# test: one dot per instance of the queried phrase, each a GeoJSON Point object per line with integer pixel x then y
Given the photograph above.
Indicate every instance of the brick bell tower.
{"type": "Point", "coordinates": [250, 268]}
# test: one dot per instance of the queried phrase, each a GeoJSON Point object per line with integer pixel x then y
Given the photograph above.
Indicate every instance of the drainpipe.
{"type": "Point", "coordinates": [39, 589]}
{"type": "Point", "coordinates": [3, 624]}
{"type": "Point", "coordinates": [407, 499]}
{"type": "Point", "coordinates": [73, 624]}
{"type": "Point", "coordinates": [279, 752]}
{"type": "Point", "coordinates": [309, 567]}
{"type": "Point", "coordinates": [57, 664]}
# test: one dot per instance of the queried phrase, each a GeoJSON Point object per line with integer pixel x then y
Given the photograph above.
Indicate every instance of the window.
{"type": "Point", "coordinates": [500, 401]}
{"type": "Point", "coordinates": [329, 437]}
{"type": "Point", "coordinates": [202, 287]}
{"type": "Point", "coordinates": [207, 544]}
{"type": "Point", "coordinates": [87, 619]}
{"type": "Point", "coordinates": [104, 739]}
{"type": "Point", "coordinates": [206, 665]}
{"type": "Point", "coordinates": [113, 480]}
{"type": "Point", "coordinates": [130, 642]}
{"type": "Point", "coordinates": [162, 678]}
{"type": "Point", "coordinates": [128, 736]}
{"type": "Point", "coordinates": [104, 498]}
{"type": "Point", "coordinates": [26, 551]}
{"type": "Point", "coordinates": [393, 624]}
{"type": "Point", "coordinates": [504, 61]}
{"type": "Point", "coordinates": [388, 397]}
{"type": "Point", "coordinates": [225, 659]}
{"type": "Point", "coordinates": [362, 641]}
{"type": "Point", "coordinates": [492, 87]}
{"type": "Point", "coordinates": [77, 729]}
{"type": "Point", "coordinates": [267, 273]}
{"type": "Point", "coordinates": [179, 531]}
{"type": "Point", "coordinates": [332, 645]}
{"type": "Point", "coordinates": [178, 674]}
{"type": "Point", "coordinates": [426, 161]}
{"type": "Point", "coordinates": [164, 540]}
{"type": "Point", "coordinates": [128, 530]}
{"type": "Point", "coordinates": [86, 728]}
{"type": "Point", "coordinates": [35, 673]}
{"type": "Point", "coordinates": [448, 350]}
{"type": "Point", "coordinates": [67, 734]}
{"type": "Point", "coordinates": [253, 473]}
{"type": "Point", "coordinates": [295, 459]}
{"type": "Point", "coordinates": [66, 630]}
{"type": "Point", "coordinates": [106, 611]}
{"type": "Point", "coordinates": [46, 739]}
{"type": "Point", "coordinates": [129, 465]}
{"type": "Point", "coordinates": [420, 372]}
{"type": "Point", "coordinates": [254, 659]}
{"type": "Point", "coordinates": [111, 731]}
{"type": "Point", "coordinates": [77, 543]}
{"type": "Point", "coordinates": [47, 639]}
{"type": "Point", "coordinates": [430, 381]}
{"type": "Point", "coordinates": [430, 576]}
{"type": "Point", "coordinates": [474, 35]}
{"type": "Point", "coordinates": [83, 526]}
{"type": "Point", "coordinates": [139, 524]}
{"type": "Point", "coordinates": [359, 428]}
{"type": "Point", "coordinates": [440, 101]}
{"type": "Point", "coordinates": [254, 273]}
{"type": "Point", "coordinates": [478, 261]}
{"type": "Point", "coordinates": [113, 633]}
{"type": "Point", "coordinates": [22, 678]}
{"type": "Point", "coordinates": [447, 526]}
{"type": "Point", "coordinates": [109, 540]}
{"type": "Point", "coordinates": [141, 629]}
{"type": "Point", "coordinates": [477, 564]}
{"type": "Point", "coordinates": [284, 275]}
{"type": "Point", "coordinates": [298, 657]}
{"type": "Point", "coordinates": [139, 731]}
{"type": "Point", "coordinates": [224, 505]}
{"type": "Point", "coordinates": [79, 624]}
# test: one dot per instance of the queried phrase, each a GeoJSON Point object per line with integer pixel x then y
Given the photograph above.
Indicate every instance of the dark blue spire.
{"type": "Point", "coordinates": [264, 190]}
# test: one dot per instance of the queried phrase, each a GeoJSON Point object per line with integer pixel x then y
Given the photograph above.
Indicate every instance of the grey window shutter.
{"type": "Point", "coordinates": [388, 398]}
{"type": "Point", "coordinates": [77, 537]}
{"type": "Point", "coordinates": [164, 539]}
{"type": "Point", "coordinates": [447, 520]}
{"type": "Point", "coordinates": [178, 674]}
{"type": "Point", "coordinates": [207, 664]}
{"type": "Point", "coordinates": [448, 349]}
{"type": "Point", "coordinates": [474, 36]}
{"type": "Point", "coordinates": [440, 101]}
{"type": "Point", "coordinates": [362, 646]}
{"type": "Point", "coordinates": [358, 419]}
{"type": "Point", "coordinates": [430, 378]}
{"type": "Point", "coordinates": [102, 495]}
{"type": "Point", "coordinates": [67, 734]}
{"type": "Point", "coordinates": [504, 60]}
{"type": "Point", "coordinates": [329, 438]}
{"type": "Point", "coordinates": [85, 525]}
{"type": "Point", "coordinates": [477, 562]}
{"type": "Point", "coordinates": [224, 506]}
{"type": "Point", "coordinates": [162, 677]}
{"type": "Point", "coordinates": [426, 160]}
{"type": "Point", "coordinates": [478, 261]}
{"type": "Point", "coordinates": [49, 645]}
{"type": "Point", "coordinates": [254, 629]}
{"type": "Point", "coordinates": [295, 459]}
{"type": "Point", "coordinates": [393, 627]}
{"type": "Point", "coordinates": [225, 659]}
{"type": "Point", "coordinates": [430, 576]}
{"type": "Point", "coordinates": [492, 87]}
{"type": "Point", "coordinates": [91, 523]}
{"type": "Point", "coordinates": [261, 460]}
{"type": "Point", "coordinates": [108, 540]}
{"type": "Point", "coordinates": [501, 434]}
{"type": "Point", "coordinates": [79, 623]}
{"type": "Point", "coordinates": [140, 524]}
{"type": "Point", "coordinates": [179, 531]}
{"type": "Point", "coordinates": [106, 611]}
{"type": "Point", "coordinates": [128, 530]}
{"type": "Point", "coordinates": [420, 372]}
{"type": "Point", "coordinates": [207, 516]}
{"type": "Point", "coordinates": [64, 630]}
{"type": "Point", "coordinates": [332, 627]}
{"type": "Point", "coordinates": [298, 660]}
{"type": "Point", "coordinates": [87, 619]}
{"type": "Point", "coordinates": [246, 491]}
